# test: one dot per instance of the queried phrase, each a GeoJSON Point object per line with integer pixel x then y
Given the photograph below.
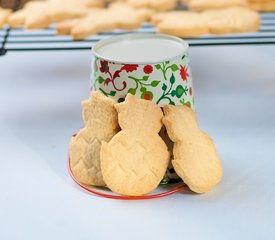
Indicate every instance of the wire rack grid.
{"type": "Point", "coordinates": [47, 40]}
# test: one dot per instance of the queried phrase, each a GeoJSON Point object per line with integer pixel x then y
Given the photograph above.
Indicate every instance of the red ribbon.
{"type": "Point", "coordinates": [101, 194]}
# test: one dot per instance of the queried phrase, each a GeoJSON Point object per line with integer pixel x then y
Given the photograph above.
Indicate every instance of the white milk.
{"type": "Point", "coordinates": [139, 48]}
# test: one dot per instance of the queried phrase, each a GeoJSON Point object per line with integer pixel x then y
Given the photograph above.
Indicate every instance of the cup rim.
{"type": "Point", "coordinates": [135, 36]}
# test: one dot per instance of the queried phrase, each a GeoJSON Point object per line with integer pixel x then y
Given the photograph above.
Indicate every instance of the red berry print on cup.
{"type": "Point", "coordinates": [147, 95]}
{"type": "Point", "coordinates": [148, 69]}
{"type": "Point", "coordinates": [190, 91]}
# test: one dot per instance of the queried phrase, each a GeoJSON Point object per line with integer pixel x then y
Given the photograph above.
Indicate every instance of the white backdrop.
{"type": "Point", "coordinates": [40, 94]}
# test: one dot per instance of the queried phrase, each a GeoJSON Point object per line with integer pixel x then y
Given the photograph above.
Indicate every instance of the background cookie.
{"type": "Point", "coordinates": [134, 162]}
{"type": "Point", "coordinates": [202, 5]}
{"type": "Point", "coordinates": [262, 6]}
{"type": "Point", "coordinates": [232, 20]}
{"type": "Point", "coordinates": [100, 118]}
{"type": "Point", "coordinates": [190, 24]}
{"type": "Point", "coordinates": [157, 5]}
{"type": "Point", "coordinates": [4, 15]}
{"type": "Point", "coordinates": [195, 157]}
{"type": "Point", "coordinates": [116, 16]}
{"type": "Point", "coordinates": [40, 14]}
{"type": "Point", "coordinates": [181, 23]}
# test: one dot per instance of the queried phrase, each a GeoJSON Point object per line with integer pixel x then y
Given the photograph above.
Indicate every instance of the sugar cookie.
{"type": "Point", "coordinates": [190, 24]}
{"type": "Point", "coordinates": [40, 14]}
{"type": "Point", "coordinates": [202, 5]}
{"type": "Point", "coordinates": [134, 162]}
{"type": "Point", "coordinates": [195, 157]}
{"type": "Point", "coordinates": [101, 124]}
{"type": "Point", "coordinates": [4, 15]}
{"type": "Point", "coordinates": [116, 16]}
{"type": "Point", "coordinates": [232, 20]}
{"type": "Point", "coordinates": [158, 5]}
{"type": "Point", "coordinates": [181, 23]}
{"type": "Point", "coordinates": [262, 6]}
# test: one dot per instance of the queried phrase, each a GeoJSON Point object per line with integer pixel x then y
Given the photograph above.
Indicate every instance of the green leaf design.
{"type": "Point", "coordinates": [167, 62]}
{"type": "Point", "coordinates": [155, 83]}
{"type": "Point", "coordinates": [132, 91]}
{"type": "Point", "coordinates": [120, 100]}
{"type": "Point", "coordinates": [106, 94]}
{"type": "Point", "coordinates": [174, 68]}
{"type": "Point", "coordinates": [100, 79]}
{"type": "Point", "coordinates": [145, 78]}
{"type": "Point", "coordinates": [112, 93]}
{"type": "Point", "coordinates": [171, 102]}
{"type": "Point", "coordinates": [173, 93]}
{"type": "Point", "coordinates": [143, 89]}
{"type": "Point", "coordinates": [188, 104]}
{"type": "Point", "coordinates": [172, 79]}
{"type": "Point", "coordinates": [164, 87]}
{"type": "Point", "coordinates": [179, 91]}
{"type": "Point", "coordinates": [158, 66]}
{"type": "Point", "coordinates": [185, 90]}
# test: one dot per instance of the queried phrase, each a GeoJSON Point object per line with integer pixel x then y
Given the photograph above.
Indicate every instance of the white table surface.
{"type": "Point", "coordinates": [40, 94]}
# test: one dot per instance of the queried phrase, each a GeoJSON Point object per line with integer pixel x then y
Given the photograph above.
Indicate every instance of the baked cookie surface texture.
{"type": "Point", "coordinates": [134, 162]}
{"type": "Point", "coordinates": [195, 158]}
{"type": "Point", "coordinates": [101, 124]}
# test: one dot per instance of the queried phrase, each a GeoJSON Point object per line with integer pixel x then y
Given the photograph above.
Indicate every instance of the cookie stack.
{"type": "Point", "coordinates": [120, 147]}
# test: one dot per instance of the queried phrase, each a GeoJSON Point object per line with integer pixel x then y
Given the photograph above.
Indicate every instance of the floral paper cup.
{"type": "Point", "coordinates": [150, 66]}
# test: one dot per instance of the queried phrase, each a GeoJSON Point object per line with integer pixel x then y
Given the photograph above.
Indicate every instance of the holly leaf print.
{"type": "Point", "coordinates": [164, 87]}
{"type": "Point", "coordinates": [172, 79]}
{"type": "Point", "coordinates": [100, 79]}
{"type": "Point", "coordinates": [143, 89]}
{"type": "Point", "coordinates": [174, 68]}
{"type": "Point", "coordinates": [171, 102]}
{"type": "Point", "coordinates": [112, 93]}
{"type": "Point", "coordinates": [155, 83]}
{"type": "Point", "coordinates": [180, 91]}
{"type": "Point", "coordinates": [145, 78]}
{"type": "Point", "coordinates": [158, 66]}
{"type": "Point", "coordinates": [173, 93]}
{"type": "Point", "coordinates": [132, 91]}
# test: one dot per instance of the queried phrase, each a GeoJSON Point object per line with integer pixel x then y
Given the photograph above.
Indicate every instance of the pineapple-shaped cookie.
{"type": "Point", "coordinates": [195, 158]}
{"type": "Point", "coordinates": [134, 162]}
{"type": "Point", "coordinates": [101, 124]}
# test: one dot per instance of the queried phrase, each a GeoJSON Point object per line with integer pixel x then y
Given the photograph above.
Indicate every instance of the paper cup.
{"type": "Point", "coordinates": [150, 66]}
